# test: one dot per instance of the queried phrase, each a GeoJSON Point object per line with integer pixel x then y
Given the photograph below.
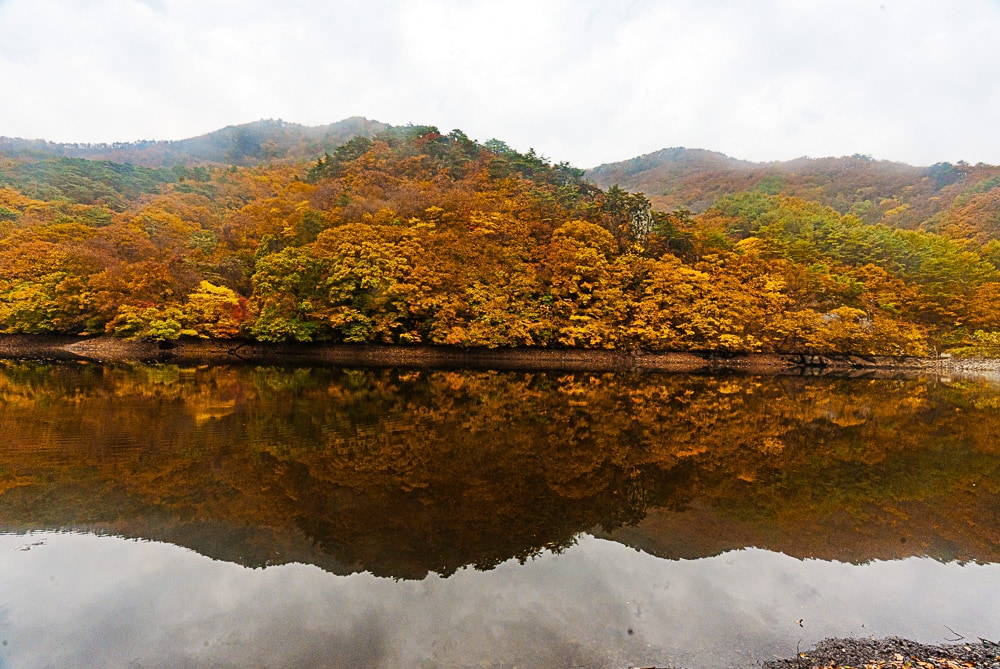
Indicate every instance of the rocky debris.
{"type": "Point", "coordinates": [893, 653]}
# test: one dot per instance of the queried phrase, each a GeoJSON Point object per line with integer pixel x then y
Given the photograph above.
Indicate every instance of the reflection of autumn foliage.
{"type": "Point", "coordinates": [402, 472]}
{"type": "Point", "coordinates": [417, 237]}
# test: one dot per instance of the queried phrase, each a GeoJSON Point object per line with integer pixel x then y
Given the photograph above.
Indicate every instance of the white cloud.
{"type": "Point", "coordinates": [582, 81]}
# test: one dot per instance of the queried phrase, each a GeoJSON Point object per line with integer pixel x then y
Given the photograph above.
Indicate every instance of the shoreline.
{"type": "Point", "coordinates": [105, 349]}
{"type": "Point", "coordinates": [893, 653]}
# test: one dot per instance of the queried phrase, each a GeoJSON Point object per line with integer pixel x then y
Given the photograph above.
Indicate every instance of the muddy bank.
{"type": "Point", "coordinates": [111, 349]}
{"type": "Point", "coordinates": [893, 653]}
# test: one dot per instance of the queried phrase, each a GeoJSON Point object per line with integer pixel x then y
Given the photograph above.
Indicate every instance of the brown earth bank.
{"type": "Point", "coordinates": [892, 653]}
{"type": "Point", "coordinates": [194, 351]}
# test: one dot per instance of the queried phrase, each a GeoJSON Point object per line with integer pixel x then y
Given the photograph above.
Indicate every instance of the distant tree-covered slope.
{"type": "Point", "coordinates": [876, 191]}
{"type": "Point", "coordinates": [80, 181]}
{"type": "Point", "coordinates": [679, 178]}
{"type": "Point", "coordinates": [248, 144]}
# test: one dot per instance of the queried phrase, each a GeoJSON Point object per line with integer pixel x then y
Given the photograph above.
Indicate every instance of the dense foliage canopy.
{"type": "Point", "coordinates": [417, 237]}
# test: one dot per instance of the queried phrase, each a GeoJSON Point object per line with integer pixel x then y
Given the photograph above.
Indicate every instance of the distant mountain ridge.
{"type": "Point", "coordinates": [959, 199]}
{"type": "Point", "coordinates": [242, 145]}
{"type": "Point", "coordinates": [877, 191]}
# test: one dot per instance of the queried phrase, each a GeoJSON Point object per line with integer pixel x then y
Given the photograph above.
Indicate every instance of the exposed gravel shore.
{"type": "Point", "coordinates": [111, 349]}
{"type": "Point", "coordinates": [888, 653]}
{"type": "Point", "coordinates": [893, 653]}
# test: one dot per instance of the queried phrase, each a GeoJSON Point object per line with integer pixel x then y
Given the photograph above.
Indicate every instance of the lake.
{"type": "Point", "coordinates": [248, 516]}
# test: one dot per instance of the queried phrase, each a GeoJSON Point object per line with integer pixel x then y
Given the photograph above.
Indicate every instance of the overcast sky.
{"type": "Point", "coordinates": [586, 81]}
{"type": "Point", "coordinates": [101, 601]}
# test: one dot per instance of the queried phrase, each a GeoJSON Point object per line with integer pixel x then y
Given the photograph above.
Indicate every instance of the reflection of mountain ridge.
{"type": "Point", "coordinates": [404, 472]}
{"type": "Point", "coordinates": [701, 531]}
{"type": "Point", "coordinates": [248, 546]}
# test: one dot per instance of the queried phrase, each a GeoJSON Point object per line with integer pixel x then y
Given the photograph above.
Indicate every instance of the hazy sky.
{"type": "Point", "coordinates": [587, 81]}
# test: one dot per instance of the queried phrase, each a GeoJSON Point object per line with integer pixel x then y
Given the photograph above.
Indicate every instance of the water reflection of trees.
{"type": "Point", "coordinates": [402, 472]}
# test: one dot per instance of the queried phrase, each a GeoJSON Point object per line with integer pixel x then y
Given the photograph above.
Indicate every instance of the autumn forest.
{"type": "Point", "coordinates": [406, 235]}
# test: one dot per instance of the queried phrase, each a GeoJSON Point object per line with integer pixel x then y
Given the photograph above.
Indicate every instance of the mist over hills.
{"type": "Point", "coordinates": [876, 191]}
{"type": "Point", "coordinates": [242, 145]}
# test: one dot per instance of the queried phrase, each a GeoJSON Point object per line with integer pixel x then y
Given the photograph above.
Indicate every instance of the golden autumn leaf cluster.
{"type": "Point", "coordinates": [418, 237]}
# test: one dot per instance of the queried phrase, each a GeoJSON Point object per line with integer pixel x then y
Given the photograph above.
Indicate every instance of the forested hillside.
{"type": "Point", "coordinates": [246, 144]}
{"type": "Point", "coordinates": [414, 236]}
{"type": "Point", "coordinates": [876, 191]}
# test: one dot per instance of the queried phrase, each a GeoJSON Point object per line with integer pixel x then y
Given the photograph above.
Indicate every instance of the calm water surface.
{"type": "Point", "coordinates": [159, 516]}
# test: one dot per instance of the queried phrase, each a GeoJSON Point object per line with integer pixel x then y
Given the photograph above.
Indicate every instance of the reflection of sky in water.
{"type": "Point", "coordinates": [81, 600]}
